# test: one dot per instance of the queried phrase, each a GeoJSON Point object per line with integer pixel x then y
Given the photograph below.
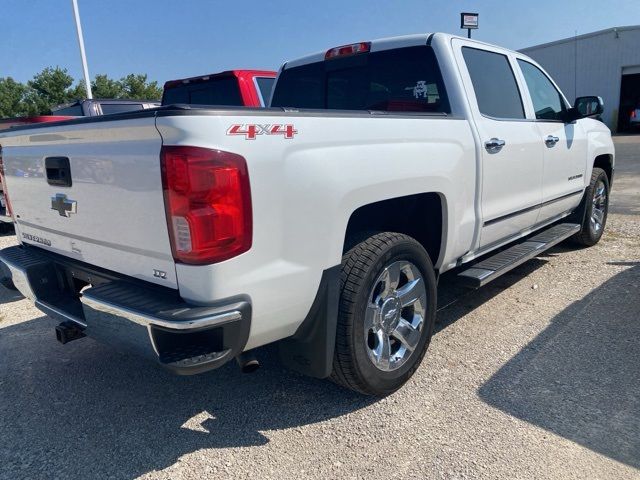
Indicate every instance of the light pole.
{"type": "Point", "coordinates": [83, 56]}
{"type": "Point", "coordinates": [469, 21]}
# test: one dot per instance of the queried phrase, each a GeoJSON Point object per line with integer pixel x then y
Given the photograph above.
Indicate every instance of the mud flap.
{"type": "Point", "coordinates": [310, 349]}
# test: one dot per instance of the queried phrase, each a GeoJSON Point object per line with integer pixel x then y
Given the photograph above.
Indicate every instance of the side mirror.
{"type": "Point", "coordinates": [589, 106]}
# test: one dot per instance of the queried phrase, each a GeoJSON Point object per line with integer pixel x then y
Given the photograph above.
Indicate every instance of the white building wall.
{"type": "Point", "coordinates": [592, 64]}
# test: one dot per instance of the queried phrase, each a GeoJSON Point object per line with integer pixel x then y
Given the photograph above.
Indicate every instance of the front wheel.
{"type": "Point", "coordinates": [386, 314]}
{"type": "Point", "coordinates": [596, 207]}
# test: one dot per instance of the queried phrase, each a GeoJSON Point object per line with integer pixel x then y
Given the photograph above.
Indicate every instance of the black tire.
{"type": "Point", "coordinates": [361, 266]}
{"type": "Point", "coordinates": [588, 234]}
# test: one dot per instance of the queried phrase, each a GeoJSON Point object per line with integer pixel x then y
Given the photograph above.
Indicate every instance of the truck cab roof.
{"type": "Point", "coordinates": [386, 43]}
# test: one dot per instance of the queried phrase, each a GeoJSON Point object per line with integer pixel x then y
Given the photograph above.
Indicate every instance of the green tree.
{"type": "Point", "coordinates": [50, 87]}
{"type": "Point", "coordinates": [105, 87]}
{"type": "Point", "coordinates": [54, 86]}
{"type": "Point", "coordinates": [11, 98]}
{"type": "Point", "coordinates": [137, 87]}
{"type": "Point", "coordinates": [78, 92]}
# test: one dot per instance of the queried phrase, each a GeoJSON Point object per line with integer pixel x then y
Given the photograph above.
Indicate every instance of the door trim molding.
{"type": "Point", "coordinates": [528, 209]}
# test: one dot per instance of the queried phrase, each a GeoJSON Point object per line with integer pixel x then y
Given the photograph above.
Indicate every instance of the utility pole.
{"type": "Point", "coordinates": [83, 56]}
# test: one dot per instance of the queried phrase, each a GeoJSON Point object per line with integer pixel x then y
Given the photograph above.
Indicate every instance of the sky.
{"type": "Point", "coordinates": [179, 38]}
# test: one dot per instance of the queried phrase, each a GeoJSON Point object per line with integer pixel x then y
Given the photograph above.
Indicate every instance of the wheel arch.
{"type": "Point", "coordinates": [310, 349]}
{"type": "Point", "coordinates": [605, 162]}
{"type": "Point", "coordinates": [402, 215]}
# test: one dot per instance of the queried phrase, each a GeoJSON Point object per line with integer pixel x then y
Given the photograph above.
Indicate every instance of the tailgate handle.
{"type": "Point", "coordinates": [58, 171]}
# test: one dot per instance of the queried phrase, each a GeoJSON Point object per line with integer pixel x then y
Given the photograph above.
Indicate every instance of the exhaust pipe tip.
{"type": "Point", "coordinates": [247, 362]}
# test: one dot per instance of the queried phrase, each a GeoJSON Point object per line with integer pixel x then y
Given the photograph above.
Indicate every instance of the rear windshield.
{"type": "Point", "coordinates": [109, 108]}
{"type": "Point", "coordinates": [72, 110]}
{"type": "Point", "coordinates": [401, 80]}
{"type": "Point", "coordinates": [215, 91]}
{"type": "Point", "coordinates": [265, 85]}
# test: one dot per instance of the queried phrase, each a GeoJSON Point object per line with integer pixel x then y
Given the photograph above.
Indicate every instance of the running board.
{"type": "Point", "coordinates": [491, 268]}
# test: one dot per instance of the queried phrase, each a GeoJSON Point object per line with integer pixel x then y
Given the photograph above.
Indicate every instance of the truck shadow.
{"type": "Point", "coordinates": [580, 378]}
{"type": "Point", "coordinates": [82, 410]}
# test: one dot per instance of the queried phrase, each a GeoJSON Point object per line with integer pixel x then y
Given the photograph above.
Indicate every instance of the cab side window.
{"type": "Point", "coordinates": [547, 100]}
{"type": "Point", "coordinates": [494, 83]}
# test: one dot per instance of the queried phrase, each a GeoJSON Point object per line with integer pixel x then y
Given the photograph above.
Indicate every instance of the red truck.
{"type": "Point", "coordinates": [12, 122]}
{"type": "Point", "coordinates": [249, 88]}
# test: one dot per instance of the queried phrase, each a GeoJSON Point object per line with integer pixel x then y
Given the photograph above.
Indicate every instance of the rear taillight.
{"type": "Point", "coordinates": [208, 203]}
{"type": "Point", "coordinates": [3, 186]}
{"type": "Point", "coordinates": [634, 113]}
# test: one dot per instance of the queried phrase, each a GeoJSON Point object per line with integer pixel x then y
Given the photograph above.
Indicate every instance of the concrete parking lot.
{"type": "Point", "coordinates": [534, 376]}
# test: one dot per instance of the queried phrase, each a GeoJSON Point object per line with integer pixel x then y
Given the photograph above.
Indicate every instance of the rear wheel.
{"type": "Point", "coordinates": [386, 315]}
{"type": "Point", "coordinates": [596, 207]}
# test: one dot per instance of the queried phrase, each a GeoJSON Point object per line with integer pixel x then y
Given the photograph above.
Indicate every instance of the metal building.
{"type": "Point", "coordinates": [604, 63]}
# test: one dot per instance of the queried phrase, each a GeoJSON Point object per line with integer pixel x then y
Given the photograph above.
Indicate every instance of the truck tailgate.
{"type": "Point", "coordinates": [110, 212]}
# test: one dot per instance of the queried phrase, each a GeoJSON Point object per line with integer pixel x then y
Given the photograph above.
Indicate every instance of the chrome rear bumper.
{"type": "Point", "coordinates": [130, 315]}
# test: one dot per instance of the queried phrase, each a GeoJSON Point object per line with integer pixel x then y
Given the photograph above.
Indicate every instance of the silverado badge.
{"type": "Point", "coordinates": [61, 204]}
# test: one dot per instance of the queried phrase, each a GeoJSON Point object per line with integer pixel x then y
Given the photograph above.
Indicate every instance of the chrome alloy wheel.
{"type": "Point", "coordinates": [599, 207]}
{"type": "Point", "coordinates": [395, 315]}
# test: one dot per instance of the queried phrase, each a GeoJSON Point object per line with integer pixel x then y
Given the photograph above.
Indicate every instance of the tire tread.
{"type": "Point", "coordinates": [584, 237]}
{"type": "Point", "coordinates": [355, 263]}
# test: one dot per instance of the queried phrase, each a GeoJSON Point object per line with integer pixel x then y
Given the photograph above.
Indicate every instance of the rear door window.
{"type": "Point", "coordinates": [494, 84]}
{"type": "Point", "coordinates": [400, 80]}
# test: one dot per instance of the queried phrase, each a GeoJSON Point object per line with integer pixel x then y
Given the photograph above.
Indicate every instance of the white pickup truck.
{"type": "Point", "coordinates": [191, 235]}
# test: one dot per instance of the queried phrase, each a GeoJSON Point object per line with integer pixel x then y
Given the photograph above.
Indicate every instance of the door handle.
{"type": "Point", "coordinates": [494, 145]}
{"type": "Point", "coordinates": [551, 140]}
{"type": "Point", "coordinates": [58, 171]}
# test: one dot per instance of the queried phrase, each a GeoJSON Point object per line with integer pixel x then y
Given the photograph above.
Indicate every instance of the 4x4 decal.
{"type": "Point", "coordinates": [251, 131]}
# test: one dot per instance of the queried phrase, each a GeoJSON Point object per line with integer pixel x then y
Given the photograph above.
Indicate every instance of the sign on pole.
{"type": "Point", "coordinates": [469, 21]}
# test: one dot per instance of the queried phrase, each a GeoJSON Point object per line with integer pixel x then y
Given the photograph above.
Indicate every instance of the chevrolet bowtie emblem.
{"type": "Point", "coordinates": [61, 204]}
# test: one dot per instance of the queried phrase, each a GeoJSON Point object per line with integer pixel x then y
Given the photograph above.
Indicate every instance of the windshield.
{"type": "Point", "coordinates": [404, 80]}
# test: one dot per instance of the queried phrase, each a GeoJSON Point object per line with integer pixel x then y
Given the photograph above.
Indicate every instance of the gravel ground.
{"type": "Point", "coordinates": [535, 376]}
